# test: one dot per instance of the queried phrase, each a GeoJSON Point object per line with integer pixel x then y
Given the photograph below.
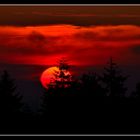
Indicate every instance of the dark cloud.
{"type": "Point", "coordinates": [82, 16]}
{"type": "Point", "coordinates": [36, 36]}
{"type": "Point", "coordinates": [110, 33]}
{"type": "Point", "coordinates": [38, 39]}
{"type": "Point", "coordinates": [86, 35]}
{"type": "Point", "coordinates": [34, 43]}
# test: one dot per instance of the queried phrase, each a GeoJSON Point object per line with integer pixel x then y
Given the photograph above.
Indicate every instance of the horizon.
{"type": "Point", "coordinates": [32, 90]}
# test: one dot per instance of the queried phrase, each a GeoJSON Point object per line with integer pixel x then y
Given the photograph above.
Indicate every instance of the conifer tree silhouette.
{"type": "Point", "coordinates": [63, 77]}
{"type": "Point", "coordinates": [10, 100]}
{"type": "Point", "coordinates": [63, 87]}
{"type": "Point", "coordinates": [113, 80]}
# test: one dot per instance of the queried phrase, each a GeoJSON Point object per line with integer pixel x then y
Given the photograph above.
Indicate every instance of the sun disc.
{"type": "Point", "coordinates": [48, 76]}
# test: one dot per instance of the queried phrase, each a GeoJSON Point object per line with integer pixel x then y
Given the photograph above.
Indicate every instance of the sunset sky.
{"type": "Point", "coordinates": [33, 37]}
{"type": "Point", "coordinates": [85, 35]}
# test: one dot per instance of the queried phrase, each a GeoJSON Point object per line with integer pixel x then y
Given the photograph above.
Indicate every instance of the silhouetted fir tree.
{"type": "Point", "coordinates": [10, 100]}
{"type": "Point", "coordinates": [63, 80]}
{"type": "Point", "coordinates": [63, 77]}
{"type": "Point", "coordinates": [56, 94]}
{"type": "Point", "coordinates": [113, 80]}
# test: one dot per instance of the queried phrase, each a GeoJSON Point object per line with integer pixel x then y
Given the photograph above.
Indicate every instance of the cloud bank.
{"type": "Point", "coordinates": [44, 45]}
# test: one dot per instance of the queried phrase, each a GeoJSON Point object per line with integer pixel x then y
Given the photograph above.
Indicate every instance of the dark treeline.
{"type": "Point", "coordinates": [92, 104]}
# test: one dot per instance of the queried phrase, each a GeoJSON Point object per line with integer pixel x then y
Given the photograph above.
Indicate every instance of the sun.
{"type": "Point", "coordinates": [48, 76]}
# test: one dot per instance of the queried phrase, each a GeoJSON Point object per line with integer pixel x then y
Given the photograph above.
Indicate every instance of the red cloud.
{"type": "Point", "coordinates": [82, 45]}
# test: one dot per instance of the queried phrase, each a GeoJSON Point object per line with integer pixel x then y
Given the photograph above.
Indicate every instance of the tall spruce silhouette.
{"type": "Point", "coordinates": [10, 100]}
{"type": "Point", "coordinates": [113, 80]}
{"type": "Point", "coordinates": [63, 77]}
{"type": "Point", "coordinates": [53, 98]}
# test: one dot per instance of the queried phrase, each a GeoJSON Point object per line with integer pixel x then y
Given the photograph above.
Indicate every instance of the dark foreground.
{"type": "Point", "coordinates": [74, 115]}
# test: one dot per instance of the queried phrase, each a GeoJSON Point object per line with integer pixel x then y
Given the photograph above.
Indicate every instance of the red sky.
{"type": "Point", "coordinates": [91, 45]}
{"type": "Point", "coordinates": [84, 35]}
